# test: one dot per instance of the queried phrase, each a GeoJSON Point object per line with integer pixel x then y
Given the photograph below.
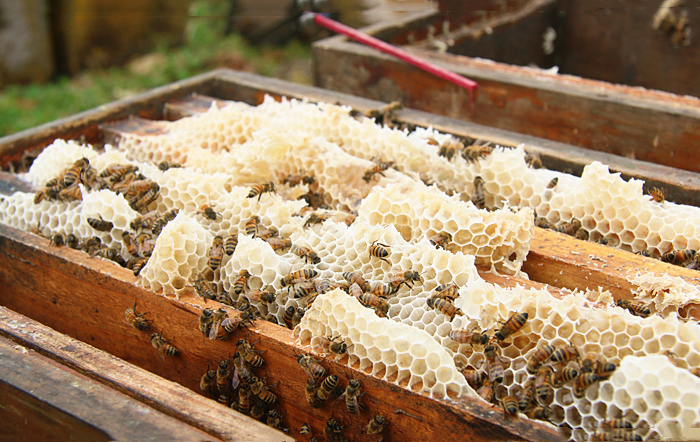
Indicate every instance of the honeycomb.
{"type": "Point", "coordinates": [394, 352]}
{"type": "Point", "coordinates": [180, 253]}
{"type": "Point", "coordinates": [226, 150]}
{"type": "Point", "coordinates": [498, 238]}
{"type": "Point", "coordinates": [667, 294]}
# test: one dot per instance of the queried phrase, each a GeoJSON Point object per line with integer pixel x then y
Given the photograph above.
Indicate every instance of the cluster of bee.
{"type": "Point", "coordinates": [234, 383]}
{"type": "Point", "coordinates": [550, 367]}
{"type": "Point", "coordinates": [572, 228]}
{"type": "Point", "coordinates": [471, 152]}
{"type": "Point", "coordinates": [322, 387]}
{"type": "Point", "coordinates": [65, 187]}
{"type": "Point", "coordinates": [379, 167]}
{"type": "Point", "coordinates": [687, 258]}
{"type": "Point", "coordinates": [140, 323]}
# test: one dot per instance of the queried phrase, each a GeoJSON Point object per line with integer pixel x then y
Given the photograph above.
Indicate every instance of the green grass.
{"type": "Point", "coordinates": [205, 48]}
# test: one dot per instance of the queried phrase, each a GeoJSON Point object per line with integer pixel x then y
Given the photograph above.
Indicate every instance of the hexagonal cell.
{"type": "Point", "coordinates": [652, 347]}
{"type": "Point", "coordinates": [600, 410]}
{"type": "Point", "coordinates": [622, 399]}
{"type": "Point", "coordinates": [667, 341]}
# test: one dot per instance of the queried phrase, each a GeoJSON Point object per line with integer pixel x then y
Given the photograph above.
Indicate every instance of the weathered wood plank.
{"type": "Point", "coordinates": [648, 125]}
{"type": "Point", "coordinates": [44, 400]}
{"type": "Point", "coordinates": [566, 262]}
{"type": "Point", "coordinates": [86, 299]}
{"type": "Point", "coordinates": [681, 186]}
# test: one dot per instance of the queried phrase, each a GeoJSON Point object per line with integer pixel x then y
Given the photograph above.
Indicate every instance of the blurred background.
{"type": "Point", "coordinates": [59, 57]}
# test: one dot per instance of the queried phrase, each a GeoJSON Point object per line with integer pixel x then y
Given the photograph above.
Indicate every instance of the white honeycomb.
{"type": "Point", "coordinates": [180, 253]}
{"type": "Point", "coordinates": [110, 207]}
{"type": "Point", "coordinates": [667, 293]}
{"type": "Point", "coordinates": [19, 211]}
{"type": "Point", "coordinates": [395, 352]}
{"type": "Point", "coordinates": [498, 238]}
{"type": "Point", "coordinates": [216, 130]}
{"type": "Point", "coordinates": [54, 158]}
{"type": "Point", "coordinates": [663, 406]}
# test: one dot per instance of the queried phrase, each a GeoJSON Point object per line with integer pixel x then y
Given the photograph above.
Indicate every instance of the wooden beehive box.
{"type": "Point", "coordinates": [603, 53]}
{"type": "Point", "coordinates": [86, 298]}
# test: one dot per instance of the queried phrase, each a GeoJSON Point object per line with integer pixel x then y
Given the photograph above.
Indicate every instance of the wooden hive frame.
{"type": "Point", "coordinates": [86, 298]}
{"type": "Point", "coordinates": [649, 125]}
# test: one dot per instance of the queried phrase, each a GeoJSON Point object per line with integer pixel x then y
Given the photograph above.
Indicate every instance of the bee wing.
{"type": "Point", "coordinates": [235, 382]}
{"type": "Point", "coordinates": [214, 330]}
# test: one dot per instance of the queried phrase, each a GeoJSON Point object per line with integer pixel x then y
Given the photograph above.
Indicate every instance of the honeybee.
{"type": "Point", "coordinates": [479, 197]}
{"type": "Point", "coordinates": [130, 244]}
{"type": "Point", "coordinates": [316, 218]}
{"type": "Point", "coordinates": [39, 196]}
{"type": "Point", "coordinates": [604, 370]}
{"type": "Point", "coordinates": [379, 250]}
{"type": "Point", "coordinates": [474, 378]}
{"type": "Point", "coordinates": [136, 265]}
{"type": "Point", "coordinates": [449, 148]}
{"type": "Point", "coordinates": [304, 289]}
{"type": "Point", "coordinates": [336, 345]}
{"type": "Point", "coordinates": [146, 243]}
{"type": "Point", "coordinates": [380, 306]}
{"type": "Point", "coordinates": [308, 254]}
{"type": "Point", "coordinates": [311, 397]}
{"type": "Point", "coordinates": [494, 366]}
{"type": "Point", "coordinates": [407, 277]}
{"type": "Point", "coordinates": [288, 316]}
{"type": "Point", "coordinates": [268, 233]}
{"type": "Point", "coordinates": [569, 228]}
{"type": "Point", "coordinates": [314, 371]}
{"type": "Point", "coordinates": [561, 377]}
{"type": "Point", "coordinates": [162, 344]}
{"type": "Point", "coordinates": [231, 243]}
{"type": "Point", "coordinates": [259, 189]}
{"type": "Point", "coordinates": [72, 241]}
{"type": "Point", "coordinates": [582, 234]}
{"type": "Point", "coordinates": [274, 419]}
{"type": "Point", "coordinates": [476, 152]}
{"type": "Point", "coordinates": [117, 172]}
{"type": "Point", "coordinates": [216, 252]}
{"type": "Point", "coordinates": [206, 319]}
{"type": "Point", "coordinates": [204, 288]}
{"type": "Point", "coordinates": [678, 256]}
{"type": "Point", "coordinates": [657, 195]}
{"type": "Point", "coordinates": [251, 226]}
{"type": "Point", "coordinates": [444, 307]}
{"type": "Point", "coordinates": [383, 290]}
{"type": "Point", "coordinates": [231, 324]}
{"type": "Point", "coordinates": [209, 213]}
{"type": "Point", "coordinates": [279, 243]}
{"type": "Point", "coordinates": [512, 325]}
{"type": "Point", "coordinates": [322, 286]}
{"type": "Point", "coordinates": [448, 292]}
{"type": "Point", "coordinates": [469, 337]}
{"type": "Point", "coordinates": [615, 423]}
{"type": "Point", "coordinates": [244, 393]}
{"type": "Point", "coordinates": [565, 353]}
{"type": "Point", "coordinates": [543, 387]}
{"type": "Point", "coordinates": [245, 349]}
{"type": "Point", "coordinates": [695, 371]}
{"type": "Point", "coordinates": [440, 239]}
{"type": "Point", "coordinates": [356, 278]}
{"type": "Point", "coordinates": [267, 295]}
{"type": "Point", "coordinates": [71, 193]}
{"type": "Point", "coordinates": [616, 435]}
{"type": "Point", "coordinates": [637, 308]}
{"type": "Point", "coordinates": [241, 282]}
{"type": "Point", "coordinates": [305, 429]}
{"type": "Point", "coordinates": [583, 382]}
{"type": "Point", "coordinates": [334, 431]}
{"type": "Point", "coordinates": [165, 165]}
{"type": "Point", "coordinates": [542, 223]}
{"type": "Point", "coordinates": [552, 184]}
{"type": "Point", "coordinates": [376, 425]}
{"type": "Point", "coordinates": [541, 413]}
{"type": "Point", "coordinates": [526, 396]}
{"type": "Point", "coordinates": [216, 331]}
{"type": "Point", "coordinates": [58, 240]}
{"type": "Point", "coordinates": [73, 173]}
{"type": "Point", "coordinates": [207, 381]}
{"type": "Point", "coordinates": [240, 371]}
{"type": "Point", "coordinates": [532, 159]}
{"type": "Point", "coordinates": [325, 391]}
{"type": "Point", "coordinates": [163, 220]}
{"type": "Point", "coordinates": [510, 405]}
{"type": "Point", "coordinates": [258, 388]}
{"type": "Point", "coordinates": [486, 391]}
{"type": "Point", "coordinates": [110, 253]}
{"type": "Point", "coordinates": [539, 357]}
{"type": "Point", "coordinates": [298, 276]}
{"type": "Point", "coordinates": [355, 291]}
{"type": "Point", "coordinates": [590, 362]}
{"type": "Point", "coordinates": [352, 396]}
{"type": "Point", "coordinates": [147, 198]}
{"type": "Point", "coordinates": [223, 399]}
{"type": "Point", "coordinates": [295, 180]}
{"type": "Point", "coordinates": [136, 320]}
{"type": "Point", "coordinates": [378, 168]}
{"type": "Point", "coordinates": [222, 374]}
